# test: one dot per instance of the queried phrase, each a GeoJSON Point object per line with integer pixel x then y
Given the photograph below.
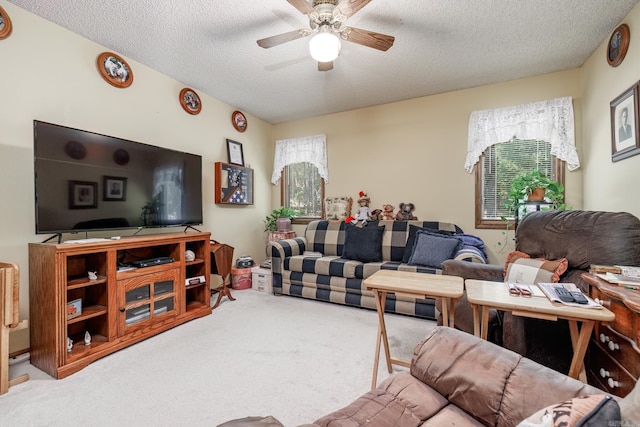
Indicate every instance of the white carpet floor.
{"type": "Point", "coordinates": [260, 355]}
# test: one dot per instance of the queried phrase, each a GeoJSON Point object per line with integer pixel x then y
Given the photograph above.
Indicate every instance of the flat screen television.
{"type": "Point", "coordinates": [85, 181]}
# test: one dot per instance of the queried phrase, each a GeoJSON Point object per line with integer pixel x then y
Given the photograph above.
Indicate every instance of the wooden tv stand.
{"type": "Point", "coordinates": [119, 308]}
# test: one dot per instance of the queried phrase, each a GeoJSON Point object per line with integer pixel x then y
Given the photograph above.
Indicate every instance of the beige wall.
{"type": "Point", "coordinates": [406, 151]}
{"type": "Point", "coordinates": [607, 185]}
{"type": "Point", "coordinates": [414, 151]}
{"type": "Point", "coordinates": [49, 74]}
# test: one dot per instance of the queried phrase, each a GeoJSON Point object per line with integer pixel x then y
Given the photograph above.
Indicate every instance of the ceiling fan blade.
{"type": "Point", "coordinates": [325, 66]}
{"type": "Point", "coordinates": [302, 5]}
{"type": "Point", "coordinates": [368, 38]}
{"type": "Point", "coordinates": [281, 38]}
{"type": "Point", "coordinates": [349, 7]}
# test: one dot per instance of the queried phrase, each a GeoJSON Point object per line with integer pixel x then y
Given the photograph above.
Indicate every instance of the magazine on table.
{"type": "Point", "coordinates": [619, 279]}
{"type": "Point", "coordinates": [549, 290]}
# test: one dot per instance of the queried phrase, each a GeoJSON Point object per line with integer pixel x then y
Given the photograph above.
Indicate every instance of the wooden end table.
{"type": "Point", "coordinates": [418, 285]}
{"type": "Point", "coordinates": [221, 262]}
{"type": "Point", "coordinates": [484, 295]}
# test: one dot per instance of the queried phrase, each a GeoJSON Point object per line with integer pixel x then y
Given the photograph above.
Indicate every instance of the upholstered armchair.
{"type": "Point", "coordinates": [583, 238]}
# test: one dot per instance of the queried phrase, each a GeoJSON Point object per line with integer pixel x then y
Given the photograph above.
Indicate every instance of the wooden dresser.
{"type": "Point", "coordinates": [613, 358]}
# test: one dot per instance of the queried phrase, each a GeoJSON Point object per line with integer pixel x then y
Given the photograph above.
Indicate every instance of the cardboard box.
{"type": "Point", "coordinates": [261, 279]}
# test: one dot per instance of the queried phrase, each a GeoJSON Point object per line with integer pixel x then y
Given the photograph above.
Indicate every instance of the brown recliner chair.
{"type": "Point", "coordinates": [583, 238]}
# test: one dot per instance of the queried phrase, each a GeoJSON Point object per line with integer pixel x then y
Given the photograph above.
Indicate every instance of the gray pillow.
{"type": "Point", "coordinates": [413, 229]}
{"type": "Point", "coordinates": [432, 249]}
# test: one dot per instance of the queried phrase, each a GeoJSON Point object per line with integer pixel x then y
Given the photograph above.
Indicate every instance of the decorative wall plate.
{"type": "Point", "coordinates": [114, 70]}
{"type": "Point", "coordinates": [239, 121]}
{"type": "Point", "coordinates": [75, 150]}
{"type": "Point", "coordinates": [5, 24]}
{"type": "Point", "coordinates": [190, 101]}
{"type": "Point", "coordinates": [121, 156]}
{"type": "Point", "coordinates": [618, 45]}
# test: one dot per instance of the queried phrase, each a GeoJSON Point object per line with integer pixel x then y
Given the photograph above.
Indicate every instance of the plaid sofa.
{"type": "Point", "coordinates": [330, 278]}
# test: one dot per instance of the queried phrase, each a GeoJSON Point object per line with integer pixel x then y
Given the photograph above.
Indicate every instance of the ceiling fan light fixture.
{"type": "Point", "coordinates": [324, 47]}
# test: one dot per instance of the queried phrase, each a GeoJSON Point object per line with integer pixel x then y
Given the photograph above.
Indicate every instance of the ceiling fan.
{"type": "Point", "coordinates": [325, 22]}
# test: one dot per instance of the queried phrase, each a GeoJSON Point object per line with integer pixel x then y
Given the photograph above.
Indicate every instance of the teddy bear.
{"type": "Point", "coordinates": [387, 212]}
{"type": "Point", "coordinates": [405, 213]}
{"type": "Point", "coordinates": [376, 215]}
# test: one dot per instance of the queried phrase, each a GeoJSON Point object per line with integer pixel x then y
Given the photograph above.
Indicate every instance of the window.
{"type": "Point", "coordinates": [300, 164]}
{"type": "Point", "coordinates": [498, 165]}
{"type": "Point", "coordinates": [303, 190]}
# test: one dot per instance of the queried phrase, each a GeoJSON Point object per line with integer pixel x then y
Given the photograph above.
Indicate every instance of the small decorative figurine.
{"type": "Point", "coordinates": [93, 275]}
{"type": "Point", "coordinates": [69, 345]}
{"type": "Point", "coordinates": [189, 255]}
{"type": "Point", "coordinates": [87, 338]}
{"type": "Point", "coordinates": [363, 210]}
{"type": "Point", "coordinates": [363, 214]}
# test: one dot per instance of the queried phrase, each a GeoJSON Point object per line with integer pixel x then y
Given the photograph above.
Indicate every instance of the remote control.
{"type": "Point", "coordinates": [579, 297]}
{"type": "Point", "coordinates": [564, 294]}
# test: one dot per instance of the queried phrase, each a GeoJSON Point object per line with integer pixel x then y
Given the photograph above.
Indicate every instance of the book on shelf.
{"type": "Point", "coordinates": [549, 290]}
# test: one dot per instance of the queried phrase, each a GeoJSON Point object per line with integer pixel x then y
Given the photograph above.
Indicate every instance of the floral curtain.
{"type": "Point", "coordinates": [312, 149]}
{"type": "Point", "coordinates": [551, 121]}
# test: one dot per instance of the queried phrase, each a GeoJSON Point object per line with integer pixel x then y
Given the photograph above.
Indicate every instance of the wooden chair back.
{"type": "Point", "coordinates": [9, 294]}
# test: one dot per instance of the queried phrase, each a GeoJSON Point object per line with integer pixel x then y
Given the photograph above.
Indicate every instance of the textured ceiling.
{"type": "Point", "coordinates": [440, 46]}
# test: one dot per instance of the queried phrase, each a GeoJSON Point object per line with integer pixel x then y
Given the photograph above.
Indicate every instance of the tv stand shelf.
{"type": "Point", "coordinates": [119, 308]}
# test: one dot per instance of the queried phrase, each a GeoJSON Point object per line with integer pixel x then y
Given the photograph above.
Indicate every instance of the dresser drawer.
{"type": "Point", "coordinates": [619, 348]}
{"type": "Point", "coordinates": [626, 322]}
{"type": "Point", "coordinates": [605, 373]}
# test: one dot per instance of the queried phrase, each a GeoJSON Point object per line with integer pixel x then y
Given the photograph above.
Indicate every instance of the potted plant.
{"type": "Point", "coordinates": [283, 215]}
{"type": "Point", "coordinates": [534, 186]}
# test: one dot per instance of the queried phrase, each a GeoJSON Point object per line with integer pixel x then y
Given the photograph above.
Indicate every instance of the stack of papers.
{"type": "Point", "coordinates": [619, 279]}
{"type": "Point", "coordinates": [550, 292]}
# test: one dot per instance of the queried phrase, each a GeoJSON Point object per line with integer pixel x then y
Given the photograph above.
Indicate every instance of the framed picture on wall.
{"type": "Point", "coordinates": [625, 125]}
{"type": "Point", "coordinates": [114, 188]}
{"type": "Point", "coordinates": [83, 195]}
{"type": "Point", "coordinates": [234, 150]}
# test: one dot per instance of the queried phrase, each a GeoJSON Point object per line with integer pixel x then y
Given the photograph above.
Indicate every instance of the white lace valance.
{"type": "Point", "coordinates": [312, 149]}
{"type": "Point", "coordinates": [550, 121]}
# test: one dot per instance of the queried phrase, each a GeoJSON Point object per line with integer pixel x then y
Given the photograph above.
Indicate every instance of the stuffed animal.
{"type": "Point", "coordinates": [405, 213]}
{"type": "Point", "coordinates": [376, 215]}
{"type": "Point", "coordinates": [387, 212]}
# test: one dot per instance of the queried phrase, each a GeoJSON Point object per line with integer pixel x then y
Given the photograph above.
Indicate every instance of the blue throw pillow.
{"type": "Point", "coordinates": [363, 244]}
{"type": "Point", "coordinates": [413, 229]}
{"type": "Point", "coordinates": [432, 249]}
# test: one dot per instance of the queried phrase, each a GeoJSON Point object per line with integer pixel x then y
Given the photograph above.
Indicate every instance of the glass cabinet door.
{"type": "Point", "coordinates": [145, 297]}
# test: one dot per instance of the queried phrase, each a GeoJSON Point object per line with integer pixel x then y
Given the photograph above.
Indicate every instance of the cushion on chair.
{"type": "Point", "coordinates": [521, 268]}
{"type": "Point", "coordinates": [584, 411]}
